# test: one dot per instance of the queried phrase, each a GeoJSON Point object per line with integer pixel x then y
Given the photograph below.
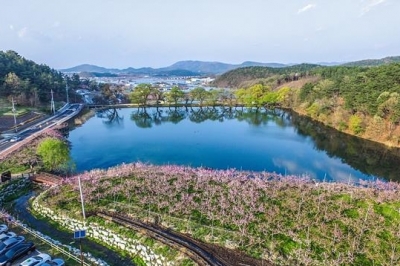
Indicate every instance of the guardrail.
{"type": "Point", "coordinates": [4, 152]}
{"type": "Point", "coordinates": [61, 250]}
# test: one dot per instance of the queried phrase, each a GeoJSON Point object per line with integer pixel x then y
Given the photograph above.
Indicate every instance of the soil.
{"type": "Point", "coordinates": [21, 213]}
{"type": "Point", "coordinates": [225, 255]}
{"type": "Point", "coordinates": [231, 257]}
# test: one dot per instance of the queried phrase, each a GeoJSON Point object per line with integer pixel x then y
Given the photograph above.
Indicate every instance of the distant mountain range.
{"type": "Point", "coordinates": [197, 68]}
{"type": "Point", "coordinates": [181, 68]}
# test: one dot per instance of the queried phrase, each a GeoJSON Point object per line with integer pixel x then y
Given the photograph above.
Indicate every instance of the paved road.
{"type": "Point", "coordinates": [23, 137]}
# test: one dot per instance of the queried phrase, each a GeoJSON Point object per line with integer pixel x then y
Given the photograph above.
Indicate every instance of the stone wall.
{"type": "Point", "coordinates": [103, 234]}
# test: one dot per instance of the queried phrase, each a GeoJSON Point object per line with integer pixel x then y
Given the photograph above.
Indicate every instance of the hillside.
{"type": "Point", "coordinates": [361, 101]}
{"type": "Point", "coordinates": [27, 82]}
{"type": "Point", "coordinates": [246, 76]}
{"type": "Point", "coordinates": [238, 77]}
{"type": "Point", "coordinates": [374, 62]}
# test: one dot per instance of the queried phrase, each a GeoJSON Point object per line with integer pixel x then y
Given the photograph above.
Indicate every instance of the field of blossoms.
{"type": "Point", "coordinates": [288, 220]}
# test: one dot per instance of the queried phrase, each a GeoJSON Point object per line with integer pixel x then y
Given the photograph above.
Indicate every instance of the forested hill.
{"type": "Point", "coordinates": [375, 62]}
{"type": "Point", "coordinates": [241, 76]}
{"type": "Point", "coordinates": [363, 101]}
{"type": "Point", "coordinates": [27, 82]}
{"type": "Point", "coordinates": [359, 100]}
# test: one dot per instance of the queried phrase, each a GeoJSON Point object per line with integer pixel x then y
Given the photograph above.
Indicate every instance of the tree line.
{"type": "Point", "coordinates": [29, 83]}
{"type": "Point", "coordinates": [357, 100]}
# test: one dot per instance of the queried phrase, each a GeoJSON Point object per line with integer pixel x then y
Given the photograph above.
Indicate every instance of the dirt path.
{"type": "Point", "coordinates": [201, 253]}
{"type": "Point", "coordinates": [21, 213]}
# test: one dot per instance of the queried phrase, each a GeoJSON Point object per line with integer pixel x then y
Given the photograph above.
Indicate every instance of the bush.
{"type": "Point", "coordinates": [355, 124]}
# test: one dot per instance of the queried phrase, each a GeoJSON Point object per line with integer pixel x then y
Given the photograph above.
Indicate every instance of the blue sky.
{"type": "Point", "coordinates": [157, 33]}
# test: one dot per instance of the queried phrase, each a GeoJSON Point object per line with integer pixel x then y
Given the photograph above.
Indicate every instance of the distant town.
{"type": "Point", "coordinates": [126, 84]}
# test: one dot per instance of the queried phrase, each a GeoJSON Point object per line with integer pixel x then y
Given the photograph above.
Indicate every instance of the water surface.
{"type": "Point", "coordinates": [219, 138]}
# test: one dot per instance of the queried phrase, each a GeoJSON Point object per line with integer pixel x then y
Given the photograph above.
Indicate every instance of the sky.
{"type": "Point", "coordinates": [158, 33]}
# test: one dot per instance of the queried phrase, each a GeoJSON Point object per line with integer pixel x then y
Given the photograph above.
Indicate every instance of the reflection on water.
{"type": "Point", "coordinates": [366, 156]}
{"type": "Point", "coordinates": [271, 140]}
{"type": "Point", "coordinates": [147, 117]}
{"type": "Point", "coordinates": [110, 116]}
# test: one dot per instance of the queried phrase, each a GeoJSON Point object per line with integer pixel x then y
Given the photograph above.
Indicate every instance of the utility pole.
{"type": "Point", "coordinates": [66, 88]}
{"type": "Point", "coordinates": [53, 109]}
{"type": "Point", "coordinates": [13, 111]}
{"type": "Point", "coordinates": [83, 231]}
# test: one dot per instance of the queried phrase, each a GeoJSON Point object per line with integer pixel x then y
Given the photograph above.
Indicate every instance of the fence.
{"type": "Point", "coordinates": [7, 217]}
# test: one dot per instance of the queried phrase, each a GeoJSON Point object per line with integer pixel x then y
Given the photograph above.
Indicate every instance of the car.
{"type": "Point", "coordinates": [9, 243]}
{"type": "Point", "coordinates": [15, 139]}
{"type": "Point", "coordinates": [38, 259]}
{"type": "Point", "coordinates": [54, 262]}
{"type": "Point", "coordinates": [3, 228]}
{"type": "Point", "coordinates": [4, 236]}
{"type": "Point", "coordinates": [16, 252]}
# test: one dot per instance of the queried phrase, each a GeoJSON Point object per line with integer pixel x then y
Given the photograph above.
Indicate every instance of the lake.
{"type": "Point", "coordinates": [223, 138]}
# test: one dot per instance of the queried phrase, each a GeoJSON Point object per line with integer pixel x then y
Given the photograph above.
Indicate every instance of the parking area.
{"type": "Point", "coordinates": [24, 258]}
{"type": "Point", "coordinates": [20, 253]}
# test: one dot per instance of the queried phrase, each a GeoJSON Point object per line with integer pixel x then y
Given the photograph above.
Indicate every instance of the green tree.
{"type": "Point", "coordinates": [141, 94]}
{"type": "Point", "coordinates": [54, 153]}
{"type": "Point", "coordinates": [256, 96]}
{"type": "Point", "coordinates": [388, 107]}
{"type": "Point", "coordinates": [74, 82]}
{"type": "Point", "coordinates": [13, 84]}
{"type": "Point", "coordinates": [355, 124]}
{"type": "Point", "coordinates": [227, 96]}
{"type": "Point", "coordinates": [199, 94]}
{"type": "Point", "coordinates": [158, 94]}
{"type": "Point", "coordinates": [108, 94]}
{"type": "Point", "coordinates": [213, 97]}
{"type": "Point", "coordinates": [270, 99]}
{"type": "Point", "coordinates": [175, 94]}
{"type": "Point", "coordinates": [240, 95]}
{"type": "Point", "coordinates": [313, 110]}
{"type": "Point", "coordinates": [285, 97]}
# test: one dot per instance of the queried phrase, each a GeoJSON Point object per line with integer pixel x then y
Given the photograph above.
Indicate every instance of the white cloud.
{"type": "Point", "coordinates": [11, 27]}
{"type": "Point", "coordinates": [292, 168]}
{"type": "Point", "coordinates": [370, 4]}
{"type": "Point", "coordinates": [56, 24]}
{"type": "Point", "coordinates": [22, 32]}
{"type": "Point", "coordinates": [306, 8]}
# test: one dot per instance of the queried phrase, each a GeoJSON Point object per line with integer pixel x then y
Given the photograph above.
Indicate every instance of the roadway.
{"type": "Point", "coordinates": [17, 140]}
